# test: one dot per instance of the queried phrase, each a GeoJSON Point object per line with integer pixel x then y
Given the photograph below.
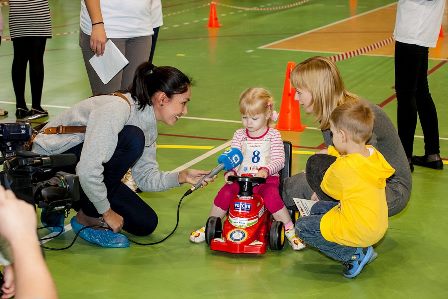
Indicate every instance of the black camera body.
{"type": "Point", "coordinates": [14, 137]}
{"type": "Point", "coordinates": [37, 179]}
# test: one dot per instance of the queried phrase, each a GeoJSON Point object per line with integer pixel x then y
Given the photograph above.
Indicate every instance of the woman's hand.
{"type": "Point", "coordinates": [323, 151]}
{"type": "Point", "coordinates": [114, 220]}
{"type": "Point", "coordinates": [192, 176]}
{"type": "Point", "coordinates": [98, 39]}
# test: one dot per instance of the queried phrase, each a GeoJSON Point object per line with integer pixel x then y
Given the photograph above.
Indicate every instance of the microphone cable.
{"type": "Point", "coordinates": [98, 226]}
{"type": "Point", "coordinates": [171, 233]}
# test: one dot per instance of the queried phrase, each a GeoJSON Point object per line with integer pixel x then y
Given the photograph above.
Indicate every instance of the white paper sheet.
{"type": "Point", "coordinates": [110, 63]}
{"type": "Point", "coordinates": [304, 205]}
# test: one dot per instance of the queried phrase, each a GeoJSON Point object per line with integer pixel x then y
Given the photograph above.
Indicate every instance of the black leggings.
{"type": "Point", "coordinates": [28, 49]}
{"type": "Point", "coordinates": [413, 97]}
{"type": "Point", "coordinates": [139, 218]}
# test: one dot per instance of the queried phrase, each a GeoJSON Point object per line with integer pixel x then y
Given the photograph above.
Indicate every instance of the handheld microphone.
{"type": "Point", "coordinates": [227, 160]}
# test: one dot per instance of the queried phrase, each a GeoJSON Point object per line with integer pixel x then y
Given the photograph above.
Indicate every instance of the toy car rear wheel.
{"type": "Point", "coordinates": [213, 229]}
{"type": "Point", "coordinates": [277, 235]}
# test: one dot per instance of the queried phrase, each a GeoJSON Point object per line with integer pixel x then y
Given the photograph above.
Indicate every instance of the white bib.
{"type": "Point", "coordinates": [256, 154]}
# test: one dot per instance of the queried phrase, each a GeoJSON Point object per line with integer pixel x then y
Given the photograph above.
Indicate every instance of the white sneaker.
{"type": "Point", "coordinates": [198, 236]}
{"type": "Point", "coordinates": [293, 240]}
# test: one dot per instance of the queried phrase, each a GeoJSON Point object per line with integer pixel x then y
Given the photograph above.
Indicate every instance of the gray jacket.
{"type": "Point", "coordinates": [105, 116]}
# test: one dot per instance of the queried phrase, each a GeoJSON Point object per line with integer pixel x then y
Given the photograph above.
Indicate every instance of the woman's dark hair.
{"type": "Point", "coordinates": [149, 79]}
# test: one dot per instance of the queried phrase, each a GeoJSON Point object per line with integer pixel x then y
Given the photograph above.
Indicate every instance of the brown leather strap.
{"type": "Point", "coordinates": [119, 94]}
{"type": "Point", "coordinates": [77, 129]}
{"type": "Point", "coordinates": [64, 130]}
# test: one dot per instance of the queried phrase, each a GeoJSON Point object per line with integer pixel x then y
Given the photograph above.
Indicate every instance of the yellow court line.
{"type": "Point", "coordinates": [174, 146]}
{"type": "Point", "coordinates": [209, 147]}
{"type": "Point", "coordinates": [303, 152]}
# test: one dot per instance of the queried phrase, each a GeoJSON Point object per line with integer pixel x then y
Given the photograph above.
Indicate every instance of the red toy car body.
{"type": "Point", "coordinates": [249, 227]}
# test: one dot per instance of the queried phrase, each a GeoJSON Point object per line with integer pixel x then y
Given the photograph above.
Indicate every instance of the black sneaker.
{"type": "Point", "coordinates": [39, 111]}
{"type": "Point", "coordinates": [23, 113]}
{"type": "Point", "coordinates": [423, 161]}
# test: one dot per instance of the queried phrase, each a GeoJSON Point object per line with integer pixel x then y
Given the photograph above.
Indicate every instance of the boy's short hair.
{"type": "Point", "coordinates": [356, 118]}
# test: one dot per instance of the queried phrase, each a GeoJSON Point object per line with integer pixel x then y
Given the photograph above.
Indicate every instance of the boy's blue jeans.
{"type": "Point", "coordinates": [308, 229]}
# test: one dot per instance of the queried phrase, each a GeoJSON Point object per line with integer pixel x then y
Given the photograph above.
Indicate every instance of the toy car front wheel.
{"type": "Point", "coordinates": [276, 235]}
{"type": "Point", "coordinates": [213, 229]}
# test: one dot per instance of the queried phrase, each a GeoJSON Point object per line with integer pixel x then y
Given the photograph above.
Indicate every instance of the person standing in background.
{"type": "Point", "coordinates": [128, 24]}
{"type": "Point", "coordinates": [157, 22]}
{"type": "Point", "coordinates": [417, 28]}
{"type": "Point", "coordinates": [3, 112]}
{"type": "Point", "coordinates": [29, 26]}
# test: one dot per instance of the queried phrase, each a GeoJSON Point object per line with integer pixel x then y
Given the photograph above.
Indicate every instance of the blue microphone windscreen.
{"type": "Point", "coordinates": [231, 158]}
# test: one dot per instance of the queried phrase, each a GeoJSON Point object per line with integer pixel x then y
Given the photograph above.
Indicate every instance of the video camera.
{"type": "Point", "coordinates": [35, 178]}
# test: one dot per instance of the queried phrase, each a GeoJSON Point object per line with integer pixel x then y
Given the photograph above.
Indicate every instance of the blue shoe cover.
{"type": "Point", "coordinates": [103, 238]}
{"type": "Point", "coordinates": [54, 221]}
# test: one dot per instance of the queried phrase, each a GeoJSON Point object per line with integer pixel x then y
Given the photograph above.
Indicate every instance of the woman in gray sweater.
{"type": "Point", "coordinates": [320, 89]}
{"type": "Point", "coordinates": [120, 133]}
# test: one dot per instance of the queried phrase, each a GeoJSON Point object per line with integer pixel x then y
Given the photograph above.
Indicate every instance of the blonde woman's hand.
{"type": "Point", "coordinates": [323, 151]}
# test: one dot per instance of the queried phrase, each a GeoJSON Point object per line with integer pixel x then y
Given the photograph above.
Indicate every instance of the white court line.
{"type": "Point", "coordinates": [43, 106]}
{"type": "Point", "coordinates": [67, 228]}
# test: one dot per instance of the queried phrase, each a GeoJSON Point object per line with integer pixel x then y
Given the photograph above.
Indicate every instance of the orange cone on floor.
{"type": "Point", "coordinates": [289, 117]}
{"type": "Point", "coordinates": [213, 17]}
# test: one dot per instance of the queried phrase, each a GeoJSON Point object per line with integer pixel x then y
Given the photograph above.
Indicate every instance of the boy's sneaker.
{"type": "Point", "coordinates": [361, 257]}
{"type": "Point", "coordinates": [53, 221]}
{"type": "Point", "coordinates": [293, 240]}
{"type": "Point", "coordinates": [374, 256]}
{"type": "Point", "coordinates": [198, 236]}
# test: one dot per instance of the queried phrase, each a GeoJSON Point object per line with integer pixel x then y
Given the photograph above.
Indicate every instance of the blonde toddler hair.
{"type": "Point", "coordinates": [257, 100]}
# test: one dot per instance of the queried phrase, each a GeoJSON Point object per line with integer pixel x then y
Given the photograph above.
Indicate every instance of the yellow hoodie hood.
{"type": "Point", "coordinates": [374, 169]}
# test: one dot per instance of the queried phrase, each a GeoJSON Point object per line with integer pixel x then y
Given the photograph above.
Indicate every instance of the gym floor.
{"type": "Point", "coordinates": [252, 47]}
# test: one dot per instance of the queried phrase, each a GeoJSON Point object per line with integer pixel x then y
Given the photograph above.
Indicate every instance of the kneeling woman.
{"type": "Point", "coordinates": [120, 133]}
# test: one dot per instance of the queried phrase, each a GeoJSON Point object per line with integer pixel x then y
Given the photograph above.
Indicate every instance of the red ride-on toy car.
{"type": "Point", "coordinates": [249, 227]}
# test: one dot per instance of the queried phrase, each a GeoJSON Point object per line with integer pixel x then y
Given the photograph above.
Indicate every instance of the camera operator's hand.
{"type": "Point", "coordinates": [17, 218]}
{"type": "Point", "coordinates": [18, 226]}
{"type": "Point", "coordinates": [8, 287]}
{"type": "Point", "coordinates": [114, 220]}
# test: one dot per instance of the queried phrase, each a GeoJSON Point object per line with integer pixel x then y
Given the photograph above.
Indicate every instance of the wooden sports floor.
{"type": "Point", "coordinates": [251, 48]}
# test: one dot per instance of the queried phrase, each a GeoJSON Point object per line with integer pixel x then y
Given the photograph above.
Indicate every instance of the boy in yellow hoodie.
{"type": "Point", "coordinates": [350, 181]}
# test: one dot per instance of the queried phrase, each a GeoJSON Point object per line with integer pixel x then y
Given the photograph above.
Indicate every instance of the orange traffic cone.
{"type": "Point", "coordinates": [213, 17]}
{"type": "Point", "coordinates": [289, 118]}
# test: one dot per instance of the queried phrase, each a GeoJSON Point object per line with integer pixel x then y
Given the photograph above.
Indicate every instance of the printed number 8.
{"type": "Point", "coordinates": [256, 157]}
